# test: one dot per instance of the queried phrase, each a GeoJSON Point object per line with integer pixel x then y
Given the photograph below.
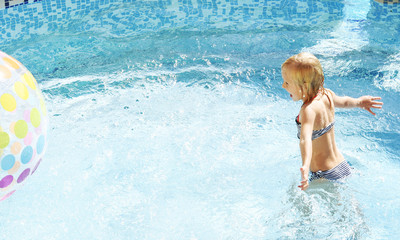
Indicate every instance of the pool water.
{"type": "Point", "coordinates": [168, 120]}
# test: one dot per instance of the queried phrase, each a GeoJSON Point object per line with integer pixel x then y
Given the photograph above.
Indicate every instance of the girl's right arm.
{"type": "Point", "coordinates": [364, 102]}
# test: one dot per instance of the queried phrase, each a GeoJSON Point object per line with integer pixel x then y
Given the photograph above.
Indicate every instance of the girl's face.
{"type": "Point", "coordinates": [290, 86]}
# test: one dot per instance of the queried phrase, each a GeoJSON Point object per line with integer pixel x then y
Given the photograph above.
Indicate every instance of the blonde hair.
{"type": "Point", "coordinates": [306, 73]}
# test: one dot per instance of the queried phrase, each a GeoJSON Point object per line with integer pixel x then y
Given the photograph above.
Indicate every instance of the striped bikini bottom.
{"type": "Point", "coordinates": [340, 171]}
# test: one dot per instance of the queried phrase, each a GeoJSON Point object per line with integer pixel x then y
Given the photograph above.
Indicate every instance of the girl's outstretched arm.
{"type": "Point", "coordinates": [364, 102]}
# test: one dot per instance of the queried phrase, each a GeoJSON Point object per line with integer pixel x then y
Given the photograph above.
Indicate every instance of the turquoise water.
{"type": "Point", "coordinates": [168, 121]}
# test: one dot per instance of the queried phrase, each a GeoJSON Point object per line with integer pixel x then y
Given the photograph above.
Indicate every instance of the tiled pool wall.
{"type": "Point", "coordinates": [44, 16]}
{"type": "Point", "coordinates": [12, 3]}
{"type": "Point", "coordinates": [29, 18]}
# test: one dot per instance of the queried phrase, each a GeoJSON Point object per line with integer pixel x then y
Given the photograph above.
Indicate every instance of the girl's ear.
{"type": "Point", "coordinates": [302, 92]}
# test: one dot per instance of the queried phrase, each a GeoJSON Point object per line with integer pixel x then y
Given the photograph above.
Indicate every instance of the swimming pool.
{"type": "Point", "coordinates": [168, 121]}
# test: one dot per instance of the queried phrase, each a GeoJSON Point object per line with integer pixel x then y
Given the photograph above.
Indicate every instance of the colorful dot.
{"type": "Point", "coordinates": [7, 195]}
{"type": "Point", "coordinates": [35, 117]}
{"type": "Point", "coordinates": [27, 115]}
{"type": "Point", "coordinates": [11, 62]}
{"type": "Point", "coordinates": [6, 181]}
{"type": "Point", "coordinates": [16, 148]}
{"type": "Point", "coordinates": [40, 145]}
{"type": "Point", "coordinates": [37, 165]}
{"type": "Point", "coordinates": [4, 72]}
{"type": "Point", "coordinates": [28, 139]}
{"type": "Point", "coordinates": [38, 130]}
{"type": "Point", "coordinates": [12, 125]}
{"type": "Point", "coordinates": [21, 129]}
{"type": "Point", "coordinates": [43, 107]}
{"type": "Point", "coordinates": [23, 175]}
{"type": "Point", "coordinates": [21, 90]}
{"type": "Point", "coordinates": [30, 80]}
{"type": "Point", "coordinates": [26, 155]}
{"type": "Point", "coordinates": [7, 162]}
{"type": "Point", "coordinates": [8, 102]}
{"type": "Point", "coordinates": [4, 139]}
{"type": "Point", "coordinates": [15, 168]}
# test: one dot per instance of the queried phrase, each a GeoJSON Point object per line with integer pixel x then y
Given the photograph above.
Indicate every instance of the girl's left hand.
{"type": "Point", "coordinates": [304, 178]}
{"type": "Point", "coordinates": [368, 102]}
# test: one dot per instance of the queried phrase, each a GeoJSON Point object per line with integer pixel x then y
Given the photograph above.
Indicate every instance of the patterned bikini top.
{"type": "Point", "coordinates": [316, 133]}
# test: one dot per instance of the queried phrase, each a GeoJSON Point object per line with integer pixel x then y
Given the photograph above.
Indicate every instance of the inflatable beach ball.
{"type": "Point", "coordinates": [23, 125]}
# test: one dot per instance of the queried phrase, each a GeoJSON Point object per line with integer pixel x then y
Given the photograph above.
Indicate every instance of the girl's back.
{"type": "Point", "coordinates": [325, 153]}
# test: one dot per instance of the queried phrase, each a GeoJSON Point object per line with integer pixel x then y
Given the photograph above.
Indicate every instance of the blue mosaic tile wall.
{"type": "Point", "coordinates": [135, 16]}
{"type": "Point", "coordinates": [12, 3]}
{"type": "Point", "coordinates": [385, 12]}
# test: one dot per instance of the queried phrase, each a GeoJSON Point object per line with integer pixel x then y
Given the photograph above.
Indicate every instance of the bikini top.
{"type": "Point", "coordinates": [316, 133]}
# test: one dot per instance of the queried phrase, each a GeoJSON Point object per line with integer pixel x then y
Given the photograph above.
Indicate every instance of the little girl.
{"type": "Point", "coordinates": [303, 78]}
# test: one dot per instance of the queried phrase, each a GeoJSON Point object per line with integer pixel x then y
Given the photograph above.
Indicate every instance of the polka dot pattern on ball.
{"type": "Point", "coordinates": [8, 102]}
{"type": "Point", "coordinates": [21, 128]}
{"type": "Point", "coordinates": [21, 90]}
{"type": "Point", "coordinates": [4, 139]}
{"type": "Point", "coordinates": [23, 175]}
{"type": "Point", "coordinates": [5, 72]}
{"type": "Point", "coordinates": [23, 125]}
{"type": "Point", "coordinates": [11, 62]}
{"type": "Point", "coordinates": [40, 145]}
{"type": "Point", "coordinates": [7, 162]}
{"type": "Point", "coordinates": [26, 154]}
{"type": "Point", "coordinates": [35, 117]}
{"type": "Point", "coordinates": [6, 181]}
{"type": "Point", "coordinates": [30, 80]}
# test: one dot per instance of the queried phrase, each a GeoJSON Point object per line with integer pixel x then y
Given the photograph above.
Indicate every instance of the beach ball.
{"type": "Point", "coordinates": [23, 125]}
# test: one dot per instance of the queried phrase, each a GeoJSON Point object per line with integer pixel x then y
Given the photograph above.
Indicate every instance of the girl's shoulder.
{"type": "Point", "coordinates": [309, 109]}
{"type": "Point", "coordinates": [330, 98]}
{"type": "Point", "coordinates": [327, 90]}
{"type": "Point", "coordinates": [320, 104]}
{"type": "Point", "coordinates": [329, 93]}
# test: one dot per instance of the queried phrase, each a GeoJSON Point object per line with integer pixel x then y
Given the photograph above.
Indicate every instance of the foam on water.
{"type": "Point", "coordinates": [164, 158]}
{"type": "Point", "coordinates": [389, 74]}
{"type": "Point", "coordinates": [167, 159]}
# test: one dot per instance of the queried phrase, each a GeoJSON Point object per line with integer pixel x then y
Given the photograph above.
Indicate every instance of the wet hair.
{"type": "Point", "coordinates": [306, 73]}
